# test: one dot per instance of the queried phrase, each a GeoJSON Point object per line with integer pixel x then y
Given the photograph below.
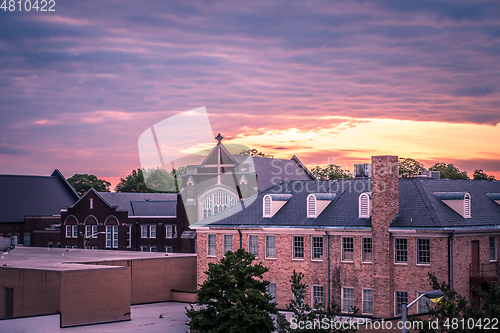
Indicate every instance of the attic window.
{"type": "Point", "coordinates": [91, 203]}
{"type": "Point", "coordinates": [364, 205]}
{"type": "Point", "coordinates": [268, 206]}
{"type": "Point", "coordinates": [467, 213]}
{"type": "Point", "coordinates": [311, 206]}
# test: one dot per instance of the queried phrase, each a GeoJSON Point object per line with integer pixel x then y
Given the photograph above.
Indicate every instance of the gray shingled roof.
{"type": "Point", "coordinates": [419, 207]}
{"type": "Point", "coordinates": [143, 204]}
{"type": "Point", "coordinates": [269, 168]}
{"type": "Point", "coordinates": [22, 196]}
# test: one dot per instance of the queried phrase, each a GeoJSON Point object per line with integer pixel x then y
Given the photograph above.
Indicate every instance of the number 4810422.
{"type": "Point", "coordinates": [28, 5]}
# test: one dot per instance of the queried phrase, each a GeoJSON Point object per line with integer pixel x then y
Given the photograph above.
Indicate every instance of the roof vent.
{"type": "Point", "coordinates": [429, 174]}
{"type": "Point", "coordinates": [363, 170]}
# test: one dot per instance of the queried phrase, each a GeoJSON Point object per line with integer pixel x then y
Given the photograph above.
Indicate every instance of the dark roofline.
{"type": "Point", "coordinates": [65, 184]}
{"type": "Point", "coordinates": [301, 165]}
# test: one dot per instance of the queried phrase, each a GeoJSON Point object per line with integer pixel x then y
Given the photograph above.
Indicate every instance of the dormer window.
{"type": "Point", "coordinates": [467, 209]}
{"type": "Point", "coordinates": [317, 202]}
{"type": "Point", "coordinates": [272, 203]}
{"type": "Point", "coordinates": [365, 209]}
{"type": "Point", "coordinates": [460, 202]}
{"type": "Point", "coordinates": [311, 205]}
{"type": "Point", "coordinates": [91, 202]}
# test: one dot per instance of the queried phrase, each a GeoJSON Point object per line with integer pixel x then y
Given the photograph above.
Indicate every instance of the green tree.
{"type": "Point", "coordinates": [157, 180]}
{"type": "Point", "coordinates": [303, 312]}
{"type": "Point", "coordinates": [408, 167]}
{"type": "Point", "coordinates": [254, 153]}
{"type": "Point", "coordinates": [234, 297]}
{"type": "Point", "coordinates": [331, 171]}
{"type": "Point", "coordinates": [456, 308]}
{"type": "Point", "coordinates": [480, 175]}
{"type": "Point", "coordinates": [82, 182]}
{"type": "Point", "coordinates": [449, 171]}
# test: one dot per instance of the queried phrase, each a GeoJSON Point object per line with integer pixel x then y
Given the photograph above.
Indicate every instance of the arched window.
{"type": "Point", "coordinates": [311, 206]}
{"type": "Point", "coordinates": [216, 202]}
{"type": "Point", "coordinates": [467, 208]}
{"type": "Point", "coordinates": [364, 205]}
{"type": "Point", "coordinates": [207, 207]}
{"type": "Point", "coordinates": [267, 206]}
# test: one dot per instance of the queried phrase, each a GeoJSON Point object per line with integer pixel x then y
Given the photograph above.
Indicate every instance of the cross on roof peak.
{"type": "Point", "coordinates": [219, 138]}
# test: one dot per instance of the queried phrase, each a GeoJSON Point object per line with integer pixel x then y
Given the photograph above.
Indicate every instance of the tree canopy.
{"type": "Point", "coordinates": [331, 171]}
{"type": "Point", "coordinates": [234, 297]}
{"type": "Point", "coordinates": [408, 167]}
{"type": "Point", "coordinates": [157, 180]}
{"type": "Point", "coordinates": [480, 175]}
{"type": "Point", "coordinates": [449, 171]}
{"type": "Point", "coordinates": [254, 153]}
{"type": "Point", "coordinates": [82, 182]}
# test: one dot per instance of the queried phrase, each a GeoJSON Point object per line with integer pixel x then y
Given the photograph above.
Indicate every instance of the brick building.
{"type": "Point", "coordinates": [31, 204]}
{"type": "Point", "coordinates": [367, 242]}
{"type": "Point", "coordinates": [150, 222]}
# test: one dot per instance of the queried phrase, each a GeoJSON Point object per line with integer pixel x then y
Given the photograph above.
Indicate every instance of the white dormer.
{"type": "Point", "coordinates": [272, 203]}
{"type": "Point", "coordinates": [365, 205]}
{"type": "Point", "coordinates": [460, 202]}
{"type": "Point", "coordinates": [317, 202]}
{"type": "Point", "coordinates": [494, 196]}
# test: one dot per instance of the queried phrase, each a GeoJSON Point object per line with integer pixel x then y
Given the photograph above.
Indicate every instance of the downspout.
{"type": "Point", "coordinates": [241, 239]}
{"type": "Point", "coordinates": [328, 267]}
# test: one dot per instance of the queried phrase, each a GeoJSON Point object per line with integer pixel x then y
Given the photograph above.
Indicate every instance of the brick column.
{"type": "Point", "coordinates": [385, 206]}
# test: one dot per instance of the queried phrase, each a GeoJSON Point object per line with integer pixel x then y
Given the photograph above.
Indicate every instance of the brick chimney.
{"type": "Point", "coordinates": [385, 206]}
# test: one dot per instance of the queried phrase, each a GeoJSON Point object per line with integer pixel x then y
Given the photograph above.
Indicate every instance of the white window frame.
{"type": "Point", "coordinates": [151, 248]}
{"type": "Point", "coordinates": [312, 211]}
{"type": "Point", "coordinates": [250, 245]}
{"type": "Point", "coordinates": [69, 231]}
{"type": "Point", "coordinates": [226, 246]}
{"type": "Point", "coordinates": [129, 236]}
{"type": "Point", "coordinates": [396, 300]}
{"type": "Point", "coordinates": [418, 250]}
{"type": "Point", "coordinates": [169, 247]}
{"type": "Point", "coordinates": [495, 243]}
{"type": "Point", "coordinates": [172, 230]}
{"type": "Point", "coordinates": [214, 245]}
{"type": "Point", "coordinates": [364, 196]}
{"type": "Point", "coordinates": [94, 231]}
{"type": "Point", "coordinates": [88, 231]}
{"type": "Point", "coordinates": [75, 231]}
{"type": "Point", "coordinates": [115, 236]}
{"type": "Point", "coordinates": [152, 230]}
{"type": "Point", "coordinates": [363, 302]}
{"type": "Point", "coordinates": [426, 301]}
{"type": "Point", "coordinates": [322, 294]}
{"type": "Point", "coordinates": [303, 247]}
{"type": "Point", "coordinates": [363, 251]}
{"type": "Point", "coordinates": [267, 254]}
{"type": "Point", "coordinates": [342, 249]}
{"type": "Point", "coordinates": [91, 203]}
{"type": "Point", "coordinates": [395, 252]}
{"type": "Point", "coordinates": [144, 228]}
{"type": "Point", "coordinates": [322, 248]}
{"type": "Point", "coordinates": [467, 206]}
{"type": "Point", "coordinates": [144, 248]}
{"type": "Point", "coordinates": [267, 206]}
{"type": "Point", "coordinates": [343, 299]}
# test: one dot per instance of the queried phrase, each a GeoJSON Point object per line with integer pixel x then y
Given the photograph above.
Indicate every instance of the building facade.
{"type": "Point", "coordinates": [365, 242]}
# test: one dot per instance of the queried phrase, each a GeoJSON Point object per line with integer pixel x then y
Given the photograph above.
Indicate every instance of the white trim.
{"type": "Point", "coordinates": [88, 217]}
{"type": "Point", "coordinates": [363, 302]}
{"type": "Point", "coordinates": [109, 218]}
{"type": "Point", "coordinates": [416, 252]}
{"type": "Point", "coordinates": [363, 250]}
{"type": "Point", "coordinates": [312, 294]}
{"type": "Point", "coordinates": [395, 300]}
{"type": "Point", "coordinates": [151, 226]}
{"type": "Point", "coordinates": [212, 255]}
{"type": "Point", "coordinates": [67, 217]}
{"type": "Point", "coordinates": [224, 244]}
{"type": "Point", "coordinates": [315, 213]}
{"type": "Point", "coordinates": [360, 202]}
{"type": "Point", "coordinates": [264, 206]}
{"type": "Point", "coordinates": [249, 235]}
{"type": "Point", "coordinates": [303, 247]}
{"type": "Point", "coordinates": [173, 231]}
{"type": "Point", "coordinates": [467, 206]}
{"type": "Point", "coordinates": [342, 298]}
{"type": "Point", "coordinates": [407, 254]}
{"type": "Point", "coordinates": [322, 247]}
{"type": "Point", "coordinates": [141, 229]}
{"type": "Point", "coordinates": [265, 247]}
{"type": "Point", "coordinates": [91, 203]}
{"type": "Point", "coordinates": [496, 248]}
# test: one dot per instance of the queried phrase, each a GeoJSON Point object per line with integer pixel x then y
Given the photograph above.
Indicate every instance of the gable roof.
{"type": "Point", "coordinates": [143, 204]}
{"type": "Point", "coordinates": [22, 196]}
{"type": "Point", "coordinates": [418, 205]}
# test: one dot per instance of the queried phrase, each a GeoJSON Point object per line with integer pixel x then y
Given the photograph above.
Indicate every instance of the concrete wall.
{"type": "Point", "coordinates": [95, 296]}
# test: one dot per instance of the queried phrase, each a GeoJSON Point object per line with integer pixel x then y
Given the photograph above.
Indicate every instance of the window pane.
{"type": "Point", "coordinates": [68, 231]}
{"type": "Point", "coordinates": [168, 231]}
{"type": "Point", "coordinates": [75, 231]}
{"type": "Point", "coordinates": [168, 249]}
{"type": "Point", "coordinates": [253, 242]}
{"type": "Point", "coordinates": [152, 231]}
{"type": "Point", "coordinates": [108, 236]}
{"type": "Point", "coordinates": [347, 248]}
{"type": "Point", "coordinates": [212, 247]}
{"type": "Point", "coordinates": [115, 236]}
{"type": "Point", "coordinates": [271, 289]}
{"type": "Point", "coordinates": [94, 231]}
{"type": "Point", "coordinates": [493, 248]}
{"type": "Point", "coordinates": [298, 246]}
{"type": "Point", "coordinates": [423, 304]}
{"type": "Point", "coordinates": [401, 247]}
{"type": "Point", "coordinates": [144, 231]}
{"type": "Point", "coordinates": [271, 246]}
{"type": "Point", "coordinates": [368, 301]}
{"type": "Point", "coordinates": [228, 243]}
{"type": "Point", "coordinates": [318, 298]}
{"type": "Point", "coordinates": [401, 296]}
{"type": "Point", "coordinates": [424, 251]}
{"type": "Point", "coordinates": [348, 301]}
{"type": "Point", "coordinates": [367, 249]}
{"type": "Point", "coordinates": [317, 247]}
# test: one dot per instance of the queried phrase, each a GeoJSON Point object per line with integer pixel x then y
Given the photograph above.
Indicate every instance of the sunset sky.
{"type": "Point", "coordinates": [328, 81]}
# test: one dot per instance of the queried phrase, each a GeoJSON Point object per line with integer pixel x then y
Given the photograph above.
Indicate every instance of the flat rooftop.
{"type": "Point", "coordinates": [60, 259]}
